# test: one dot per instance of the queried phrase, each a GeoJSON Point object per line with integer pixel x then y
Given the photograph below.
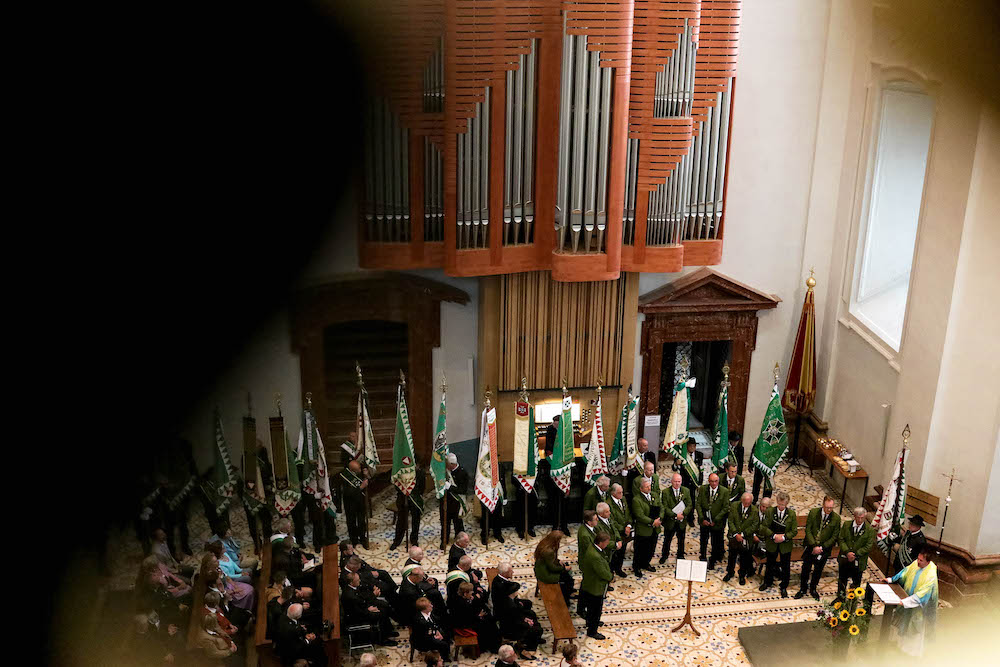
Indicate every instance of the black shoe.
{"type": "Point", "coordinates": [764, 587]}
{"type": "Point", "coordinates": [395, 545]}
{"type": "Point", "coordinates": [596, 635]}
{"type": "Point", "coordinates": [784, 592]}
{"type": "Point", "coordinates": [500, 539]}
{"type": "Point", "coordinates": [520, 536]}
{"type": "Point", "coordinates": [650, 568]}
{"type": "Point", "coordinates": [600, 623]}
{"type": "Point", "coordinates": [531, 532]}
{"type": "Point", "coordinates": [482, 538]}
{"type": "Point", "coordinates": [743, 580]}
{"type": "Point", "coordinates": [663, 559]}
{"type": "Point", "coordinates": [800, 595]}
{"type": "Point", "coordinates": [638, 574]}
{"type": "Point", "coordinates": [814, 593]}
{"type": "Point", "coordinates": [611, 588]}
{"type": "Point", "coordinates": [619, 573]}
{"type": "Point", "coordinates": [711, 564]}
{"type": "Point", "coordinates": [522, 656]}
{"type": "Point", "coordinates": [728, 576]}
{"type": "Point", "coordinates": [389, 642]}
{"type": "Point", "coordinates": [392, 634]}
{"type": "Point", "coordinates": [702, 558]}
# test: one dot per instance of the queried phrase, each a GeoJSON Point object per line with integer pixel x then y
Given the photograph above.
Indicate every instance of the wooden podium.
{"type": "Point", "coordinates": [690, 571]}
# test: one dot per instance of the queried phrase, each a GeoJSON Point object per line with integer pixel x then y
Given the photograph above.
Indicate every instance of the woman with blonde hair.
{"type": "Point", "coordinates": [213, 642]}
{"type": "Point", "coordinates": [548, 568]}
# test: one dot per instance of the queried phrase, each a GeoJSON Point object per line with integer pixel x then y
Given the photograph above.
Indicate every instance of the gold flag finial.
{"type": "Point", "coordinates": [524, 389]}
{"type": "Point", "coordinates": [357, 372]}
{"type": "Point", "coordinates": [600, 381]}
{"type": "Point", "coordinates": [488, 394]}
{"type": "Point", "coordinates": [811, 280]}
{"type": "Point", "coordinates": [906, 435]}
{"type": "Point", "coordinates": [309, 400]}
{"type": "Point", "coordinates": [777, 372]}
{"type": "Point", "coordinates": [402, 378]}
{"type": "Point", "coordinates": [565, 391]}
{"type": "Point", "coordinates": [277, 401]}
{"type": "Point", "coordinates": [444, 382]}
{"type": "Point", "coordinates": [725, 375]}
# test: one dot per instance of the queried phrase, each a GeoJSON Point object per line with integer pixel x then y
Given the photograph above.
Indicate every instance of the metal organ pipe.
{"type": "Point", "coordinates": [529, 142]}
{"type": "Point", "coordinates": [473, 179]}
{"type": "Point", "coordinates": [565, 113]}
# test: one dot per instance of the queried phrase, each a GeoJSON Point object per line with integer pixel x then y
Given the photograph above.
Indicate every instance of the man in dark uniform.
{"type": "Point", "coordinates": [362, 606]}
{"type": "Point", "coordinates": [910, 543]}
{"type": "Point", "coordinates": [351, 502]}
{"type": "Point", "coordinates": [495, 520]}
{"type": "Point", "coordinates": [178, 478]}
{"type": "Point", "coordinates": [458, 549]}
{"type": "Point", "coordinates": [758, 481]}
{"type": "Point", "coordinates": [257, 503]}
{"type": "Point", "coordinates": [743, 522]}
{"type": "Point", "coordinates": [550, 436]}
{"type": "Point", "coordinates": [411, 506]}
{"type": "Point", "coordinates": [457, 492]}
{"type": "Point", "coordinates": [523, 497]}
{"type": "Point", "coordinates": [736, 447]}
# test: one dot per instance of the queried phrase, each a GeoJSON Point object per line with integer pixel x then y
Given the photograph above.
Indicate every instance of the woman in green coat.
{"type": "Point", "coordinates": [548, 568]}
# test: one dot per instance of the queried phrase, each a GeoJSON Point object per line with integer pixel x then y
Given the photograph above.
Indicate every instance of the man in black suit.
{"type": "Point", "coordinates": [369, 575]}
{"type": "Point", "coordinates": [458, 549]}
{"type": "Point", "coordinates": [550, 436]}
{"type": "Point", "coordinates": [514, 614]}
{"type": "Point", "coordinates": [555, 498]}
{"type": "Point", "coordinates": [361, 606]}
{"type": "Point", "coordinates": [428, 632]}
{"type": "Point", "coordinates": [523, 496]}
{"type": "Point", "coordinates": [457, 492]}
{"type": "Point", "coordinates": [412, 506]}
{"type": "Point", "coordinates": [416, 585]}
{"type": "Point", "coordinates": [294, 642]}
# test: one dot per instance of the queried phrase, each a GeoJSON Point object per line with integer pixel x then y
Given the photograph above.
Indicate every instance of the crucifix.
{"type": "Point", "coordinates": [947, 502]}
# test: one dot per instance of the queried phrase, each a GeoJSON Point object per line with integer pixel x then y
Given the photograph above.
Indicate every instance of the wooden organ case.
{"type": "Point", "coordinates": [581, 137]}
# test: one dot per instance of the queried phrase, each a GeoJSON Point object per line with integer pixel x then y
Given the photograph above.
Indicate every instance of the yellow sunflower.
{"type": "Point", "coordinates": [854, 630]}
{"type": "Point", "coordinates": [850, 596]}
{"type": "Point", "coordinates": [837, 605]}
{"type": "Point", "coordinates": [860, 611]}
{"type": "Point", "coordinates": [844, 615]}
{"type": "Point", "coordinates": [859, 591]}
{"type": "Point", "coordinates": [833, 622]}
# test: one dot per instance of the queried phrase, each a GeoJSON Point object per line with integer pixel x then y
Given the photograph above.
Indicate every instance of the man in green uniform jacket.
{"type": "Point", "coordinates": [733, 483]}
{"type": "Point", "coordinates": [651, 476]}
{"type": "Point", "coordinates": [621, 518]}
{"type": "Point", "coordinates": [822, 532]}
{"type": "Point", "coordinates": [778, 530]}
{"type": "Point", "coordinates": [743, 523]}
{"type": "Point", "coordinates": [713, 507]}
{"type": "Point", "coordinates": [856, 540]}
{"type": "Point", "coordinates": [646, 517]}
{"type": "Point", "coordinates": [585, 534]}
{"type": "Point", "coordinates": [596, 576]}
{"type": "Point", "coordinates": [597, 494]}
{"type": "Point", "coordinates": [606, 525]}
{"type": "Point", "coordinates": [674, 524]}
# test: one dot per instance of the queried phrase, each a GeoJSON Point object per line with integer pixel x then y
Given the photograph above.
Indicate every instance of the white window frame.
{"type": "Point", "coordinates": [882, 78]}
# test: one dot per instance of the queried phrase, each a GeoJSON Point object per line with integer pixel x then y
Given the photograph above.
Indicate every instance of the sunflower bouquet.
{"type": "Point", "coordinates": [847, 618]}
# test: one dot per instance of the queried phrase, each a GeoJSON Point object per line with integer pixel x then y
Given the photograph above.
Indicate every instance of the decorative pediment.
{"type": "Point", "coordinates": [706, 290]}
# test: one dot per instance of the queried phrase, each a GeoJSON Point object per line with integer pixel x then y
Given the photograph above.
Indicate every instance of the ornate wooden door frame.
{"type": "Point", "coordinates": [702, 306]}
{"type": "Point", "coordinates": [393, 297]}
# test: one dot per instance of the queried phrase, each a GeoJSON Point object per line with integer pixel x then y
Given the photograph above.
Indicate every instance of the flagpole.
{"type": "Point", "coordinates": [444, 499]}
{"type": "Point", "coordinates": [524, 397]}
{"type": "Point", "coordinates": [258, 522]}
{"type": "Point", "coordinates": [488, 394]}
{"type": "Point", "coordinates": [406, 497]}
{"type": "Point", "coordinates": [364, 439]}
{"type": "Point", "coordinates": [562, 498]}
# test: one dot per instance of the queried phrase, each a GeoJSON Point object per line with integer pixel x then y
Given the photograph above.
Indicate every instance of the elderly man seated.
{"type": "Point", "coordinates": [367, 572]}
{"type": "Point", "coordinates": [295, 643]}
{"type": "Point", "coordinates": [458, 549]}
{"type": "Point", "coordinates": [464, 573]}
{"type": "Point", "coordinates": [429, 632]}
{"type": "Point", "coordinates": [362, 606]}
{"type": "Point", "coordinates": [417, 585]}
{"type": "Point", "coordinates": [514, 614]}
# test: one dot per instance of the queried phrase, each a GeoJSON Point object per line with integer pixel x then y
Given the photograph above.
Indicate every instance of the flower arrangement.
{"type": "Point", "coordinates": [846, 618]}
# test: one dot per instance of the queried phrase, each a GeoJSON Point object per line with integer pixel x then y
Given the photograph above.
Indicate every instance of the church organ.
{"type": "Point", "coordinates": [584, 138]}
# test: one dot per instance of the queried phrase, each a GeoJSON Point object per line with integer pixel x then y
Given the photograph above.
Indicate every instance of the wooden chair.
{"type": "Point", "coordinates": [466, 642]}
{"type": "Point", "coordinates": [559, 618]}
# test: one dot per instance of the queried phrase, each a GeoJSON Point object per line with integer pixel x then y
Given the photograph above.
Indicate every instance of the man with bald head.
{"type": "Point", "coordinates": [713, 508]}
{"type": "Point", "coordinates": [674, 522]}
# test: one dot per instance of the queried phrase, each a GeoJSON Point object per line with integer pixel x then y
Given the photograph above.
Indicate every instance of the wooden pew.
{"type": "Point", "coordinates": [330, 585]}
{"type": "Point", "coordinates": [555, 606]}
{"type": "Point", "coordinates": [197, 602]}
{"type": "Point", "coordinates": [265, 649]}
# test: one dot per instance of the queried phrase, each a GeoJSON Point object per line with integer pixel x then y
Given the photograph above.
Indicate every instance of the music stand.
{"type": "Point", "coordinates": [690, 571]}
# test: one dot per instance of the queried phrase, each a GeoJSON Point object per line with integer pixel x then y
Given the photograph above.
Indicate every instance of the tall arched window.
{"type": "Point", "coordinates": [901, 129]}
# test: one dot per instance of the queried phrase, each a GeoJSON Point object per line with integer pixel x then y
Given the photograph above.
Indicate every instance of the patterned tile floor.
{"type": "Point", "coordinates": [638, 615]}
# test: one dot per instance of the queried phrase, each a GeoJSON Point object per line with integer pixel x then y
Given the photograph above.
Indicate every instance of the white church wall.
{"type": "Point", "coordinates": [782, 50]}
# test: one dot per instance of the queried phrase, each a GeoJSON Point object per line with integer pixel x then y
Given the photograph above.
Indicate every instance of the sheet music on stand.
{"type": "Point", "coordinates": [885, 593]}
{"type": "Point", "coordinates": [691, 570]}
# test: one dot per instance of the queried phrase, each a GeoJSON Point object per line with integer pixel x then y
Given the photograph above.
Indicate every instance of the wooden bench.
{"type": "Point", "coordinates": [265, 648]}
{"type": "Point", "coordinates": [555, 606]}
{"type": "Point", "coordinates": [465, 642]}
{"type": "Point", "coordinates": [197, 602]}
